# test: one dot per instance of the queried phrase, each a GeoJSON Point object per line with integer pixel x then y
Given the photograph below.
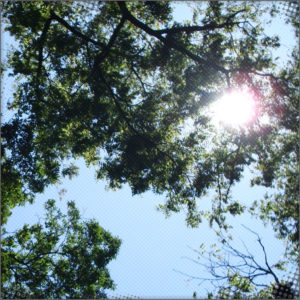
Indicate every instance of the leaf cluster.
{"type": "Point", "coordinates": [61, 258]}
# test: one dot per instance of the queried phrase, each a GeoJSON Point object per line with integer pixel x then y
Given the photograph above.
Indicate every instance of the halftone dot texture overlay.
{"type": "Point", "coordinates": [117, 296]}
{"type": "Point", "coordinates": [291, 11]}
{"type": "Point", "coordinates": [290, 8]}
{"type": "Point", "coordinates": [287, 289]}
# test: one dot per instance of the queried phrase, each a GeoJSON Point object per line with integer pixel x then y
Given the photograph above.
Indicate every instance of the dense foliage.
{"type": "Point", "coordinates": [61, 258]}
{"type": "Point", "coordinates": [117, 85]}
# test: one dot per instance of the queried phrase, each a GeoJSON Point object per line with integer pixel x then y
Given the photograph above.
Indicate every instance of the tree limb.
{"type": "Point", "coordinates": [139, 78]}
{"type": "Point", "coordinates": [41, 46]}
{"type": "Point", "coordinates": [248, 269]}
{"type": "Point", "coordinates": [54, 16]}
{"type": "Point", "coordinates": [191, 29]}
{"type": "Point", "coordinates": [170, 42]}
{"type": "Point", "coordinates": [40, 58]}
{"type": "Point", "coordinates": [111, 41]}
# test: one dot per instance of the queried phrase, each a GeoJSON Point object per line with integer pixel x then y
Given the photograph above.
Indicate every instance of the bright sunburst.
{"type": "Point", "coordinates": [235, 109]}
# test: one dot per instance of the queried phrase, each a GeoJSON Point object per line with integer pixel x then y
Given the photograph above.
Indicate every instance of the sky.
{"type": "Point", "coordinates": [153, 247]}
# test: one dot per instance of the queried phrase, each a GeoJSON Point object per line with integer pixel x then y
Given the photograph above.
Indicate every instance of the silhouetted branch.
{"type": "Point", "coordinates": [169, 42]}
{"type": "Point", "coordinates": [221, 269]}
{"type": "Point", "coordinates": [75, 31]}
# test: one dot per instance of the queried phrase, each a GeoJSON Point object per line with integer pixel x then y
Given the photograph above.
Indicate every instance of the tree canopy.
{"type": "Point", "coordinates": [61, 258]}
{"type": "Point", "coordinates": [118, 83]}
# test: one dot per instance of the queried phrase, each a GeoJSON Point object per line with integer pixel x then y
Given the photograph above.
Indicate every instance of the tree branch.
{"type": "Point", "coordinates": [40, 58]}
{"type": "Point", "coordinates": [139, 78]}
{"type": "Point", "coordinates": [191, 29]}
{"type": "Point", "coordinates": [111, 41]}
{"type": "Point", "coordinates": [41, 46]}
{"type": "Point", "coordinates": [54, 16]}
{"type": "Point", "coordinates": [248, 268]}
{"type": "Point", "coordinates": [265, 254]}
{"type": "Point", "coordinates": [170, 42]}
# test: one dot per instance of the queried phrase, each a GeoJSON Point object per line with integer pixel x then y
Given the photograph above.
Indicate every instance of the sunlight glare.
{"type": "Point", "coordinates": [235, 109]}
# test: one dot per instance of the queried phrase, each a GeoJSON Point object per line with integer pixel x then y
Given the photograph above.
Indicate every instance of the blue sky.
{"type": "Point", "coordinates": [152, 246]}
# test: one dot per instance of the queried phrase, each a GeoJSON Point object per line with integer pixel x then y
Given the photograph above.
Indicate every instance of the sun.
{"type": "Point", "coordinates": [235, 109]}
